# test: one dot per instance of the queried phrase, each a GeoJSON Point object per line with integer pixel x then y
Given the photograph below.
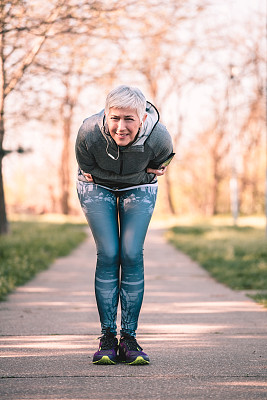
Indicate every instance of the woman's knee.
{"type": "Point", "coordinates": [132, 255]}
{"type": "Point", "coordinates": [108, 255]}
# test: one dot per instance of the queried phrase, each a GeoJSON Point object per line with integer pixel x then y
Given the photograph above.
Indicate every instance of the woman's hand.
{"type": "Point", "coordinates": [158, 172]}
{"type": "Point", "coordinates": [88, 177]}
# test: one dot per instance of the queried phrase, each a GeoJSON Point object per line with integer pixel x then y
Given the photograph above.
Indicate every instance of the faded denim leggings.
{"type": "Point", "coordinates": [119, 222]}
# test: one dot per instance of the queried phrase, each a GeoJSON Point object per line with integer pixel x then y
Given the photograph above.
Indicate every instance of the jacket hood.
{"type": "Point", "coordinates": [138, 145]}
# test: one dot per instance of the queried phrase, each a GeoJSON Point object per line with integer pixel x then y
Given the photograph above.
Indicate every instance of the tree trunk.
{"type": "Point", "coordinates": [66, 112]}
{"type": "Point", "coordinates": [216, 180]}
{"type": "Point", "coordinates": [3, 216]}
{"type": "Point", "coordinates": [65, 166]}
{"type": "Point", "coordinates": [170, 202]}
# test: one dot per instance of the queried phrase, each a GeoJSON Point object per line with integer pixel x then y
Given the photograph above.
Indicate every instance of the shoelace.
{"type": "Point", "coordinates": [107, 341]}
{"type": "Point", "coordinates": [131, 343]}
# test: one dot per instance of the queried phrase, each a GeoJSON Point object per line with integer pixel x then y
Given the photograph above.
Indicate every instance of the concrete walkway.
{"type": "Point", "coordinates": [204, 340]}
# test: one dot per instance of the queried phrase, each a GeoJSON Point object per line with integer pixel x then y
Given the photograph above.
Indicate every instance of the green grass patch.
{"type": "Point", "coordinates": [235, 256]}
{"type": "Point", "coordinates": [31, 247]}
{"type": "Point", "coordinates": [260, 298]}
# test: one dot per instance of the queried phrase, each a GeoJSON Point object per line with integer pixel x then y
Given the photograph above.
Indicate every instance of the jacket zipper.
{"type": "Point", "coordinates": [121, 163]}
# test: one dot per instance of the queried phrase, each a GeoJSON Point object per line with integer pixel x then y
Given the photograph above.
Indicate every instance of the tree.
{"type": "Point", "coordinates": [229, 143]}
{"type": "Point", "coordinates": [73, 63]}
{"type": "Point", "coordinates": [162, 45]}
{"type": "Point", "coordinates": [24, 30]}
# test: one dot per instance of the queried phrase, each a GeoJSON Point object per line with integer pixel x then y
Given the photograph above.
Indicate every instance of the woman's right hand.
{"type": "Point", "coordinates": [88, 177]}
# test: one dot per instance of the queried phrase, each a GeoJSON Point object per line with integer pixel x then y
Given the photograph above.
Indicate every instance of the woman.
{"type": "Point", "coordinates": [119, 153]}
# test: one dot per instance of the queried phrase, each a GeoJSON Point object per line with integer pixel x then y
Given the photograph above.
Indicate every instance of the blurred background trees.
{"type": "Point", "coordinates": [203, 66]}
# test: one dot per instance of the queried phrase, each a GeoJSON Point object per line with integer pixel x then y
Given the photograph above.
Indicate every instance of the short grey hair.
{"type": "Point", "coordinates": [126, 97]}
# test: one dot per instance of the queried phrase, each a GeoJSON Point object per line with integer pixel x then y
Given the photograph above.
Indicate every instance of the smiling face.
{"type": "Point", "coordinates": [123, 125]}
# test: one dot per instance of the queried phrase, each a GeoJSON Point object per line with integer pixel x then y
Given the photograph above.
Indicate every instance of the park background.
{"type": "Point", "coordinates": [202, 64]}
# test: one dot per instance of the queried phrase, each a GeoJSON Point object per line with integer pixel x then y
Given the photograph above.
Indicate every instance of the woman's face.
{"type": "Point", "coordinates": [123, 125]}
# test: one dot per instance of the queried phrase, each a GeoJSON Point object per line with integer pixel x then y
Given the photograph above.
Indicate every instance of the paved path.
{"type": "Point", "coordinates": [204, 340]}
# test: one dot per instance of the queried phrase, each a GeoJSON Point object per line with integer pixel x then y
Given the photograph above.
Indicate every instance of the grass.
{"type": "Point", "coordinates": [31, 247]}
{"type": "Point", "coordinates": [235, 256]}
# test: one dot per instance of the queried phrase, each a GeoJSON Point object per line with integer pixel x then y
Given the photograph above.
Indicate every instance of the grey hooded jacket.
{"type": "Point", "coordinates": [119, 167]}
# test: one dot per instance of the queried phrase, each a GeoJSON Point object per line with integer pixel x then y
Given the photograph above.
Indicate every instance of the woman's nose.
{"type": "Point", "coordinates": [121, 125]}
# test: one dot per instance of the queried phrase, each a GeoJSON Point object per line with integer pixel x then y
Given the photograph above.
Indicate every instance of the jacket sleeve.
{"type": "Point", "coordinates": [84, 157]}
{"type": "Point", "coordinates": [162, 148]}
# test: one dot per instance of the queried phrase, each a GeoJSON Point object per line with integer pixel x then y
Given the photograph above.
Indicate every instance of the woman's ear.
{"type": "Point", "coordinates": [143, 120]}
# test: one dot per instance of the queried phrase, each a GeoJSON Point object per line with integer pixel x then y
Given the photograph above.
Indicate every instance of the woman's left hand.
{"type": "Point", "coordinates": [158, 172]}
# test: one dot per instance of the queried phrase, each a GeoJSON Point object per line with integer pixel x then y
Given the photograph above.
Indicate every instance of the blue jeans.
{"type": "Point", "coordinates": [119, 222]}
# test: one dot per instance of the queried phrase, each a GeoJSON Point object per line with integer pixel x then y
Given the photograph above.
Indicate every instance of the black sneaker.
{"type": "Point", "coordinates": [107, 351]}
{"type": "Point", "coordinates": [130, 352]}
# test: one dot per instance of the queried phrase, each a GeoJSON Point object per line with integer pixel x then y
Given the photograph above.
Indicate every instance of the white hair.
{"type": "Point", "coordinates": [126, 97]}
